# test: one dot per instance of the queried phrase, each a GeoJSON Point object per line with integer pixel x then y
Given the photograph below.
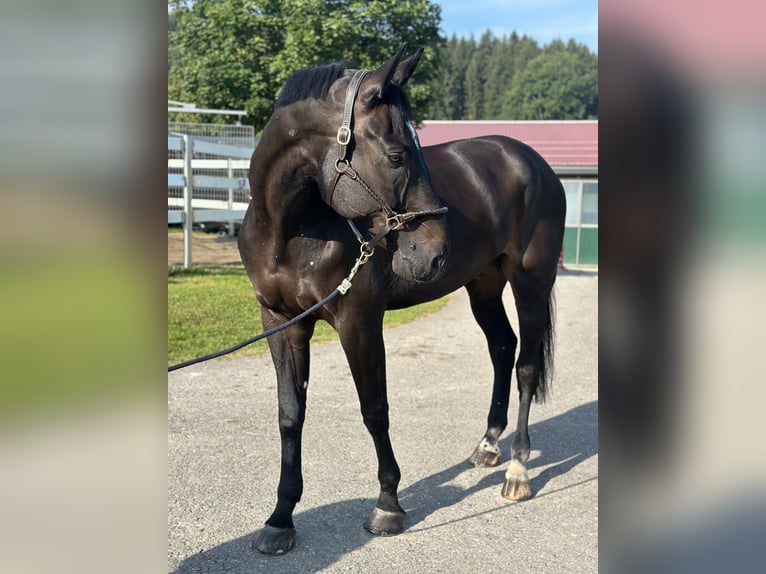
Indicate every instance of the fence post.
{"type": "Point", "coordinates": [188, 213]}
{"type": "Point", "coordinates": [230, 175]}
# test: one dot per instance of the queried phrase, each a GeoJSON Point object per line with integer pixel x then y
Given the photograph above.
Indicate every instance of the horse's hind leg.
{"type": "Point", "coordinates": [290, 353]}
{"type": "Point", "coordinates": [533, 304]}
{"type": "Point", "coordinates": [488, 310]}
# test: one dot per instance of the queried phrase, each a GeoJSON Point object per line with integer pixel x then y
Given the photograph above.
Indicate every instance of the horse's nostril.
{"type": "Point", "coordinates": [413, 246]}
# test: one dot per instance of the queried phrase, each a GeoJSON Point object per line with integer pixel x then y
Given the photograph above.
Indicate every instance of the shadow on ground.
{"type": "Point", "coordinates": [327, 533]}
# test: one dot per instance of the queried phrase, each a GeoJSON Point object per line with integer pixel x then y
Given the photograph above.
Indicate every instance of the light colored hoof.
{"type": "Point", "coordinates": [516, 486]}
{"type": "Point", "coordinates": [517, 490]}
{"type": "Point", "coordinates": [485, 454]}
{"type": "Point", "coordinates": [481, 457]}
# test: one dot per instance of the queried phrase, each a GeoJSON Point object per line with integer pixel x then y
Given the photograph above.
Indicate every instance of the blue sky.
{"type": "Point", "coordinates": [543, 20]}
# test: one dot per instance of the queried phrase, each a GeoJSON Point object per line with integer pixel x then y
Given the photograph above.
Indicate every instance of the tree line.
{"type": "Point", "coordinates": [514, 78]}
{"type": "Point", "coordinates": [236, 54]}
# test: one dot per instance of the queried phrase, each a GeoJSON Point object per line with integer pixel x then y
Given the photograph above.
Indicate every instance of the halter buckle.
{"type": "Point", "coordinates": [344, 135]}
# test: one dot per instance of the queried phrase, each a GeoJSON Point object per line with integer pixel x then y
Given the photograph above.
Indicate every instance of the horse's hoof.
{"type": "Point", "coordinates": [516, 490]}
{"type": "Point", "coordinates": [384, 522]}
{"type": "Point", "coordinates": [516, 486]}
{"type": "Point", "coordinates": [274, 541]}
{"type": "Point", "coordinates": [482, 457]}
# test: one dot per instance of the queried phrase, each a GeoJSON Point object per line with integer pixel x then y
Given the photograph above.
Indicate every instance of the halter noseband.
{"type": "Point", "coordinates": [343, 167]}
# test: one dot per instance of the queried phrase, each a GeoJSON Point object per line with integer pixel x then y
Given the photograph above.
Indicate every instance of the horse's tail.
{"type": "Point", "coordinates": [546, 351]}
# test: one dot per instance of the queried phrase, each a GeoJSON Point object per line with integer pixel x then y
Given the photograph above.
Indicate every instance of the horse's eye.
{"type": "Point", "coordinates": [395, 157]}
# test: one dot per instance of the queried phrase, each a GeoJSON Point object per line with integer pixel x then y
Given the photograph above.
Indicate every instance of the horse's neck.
{"type": "Point", "coordinates": [284, 196]}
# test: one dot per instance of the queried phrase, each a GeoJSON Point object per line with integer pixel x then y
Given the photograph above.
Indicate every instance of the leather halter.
{"type": "Point", "coordinates": [343, 167]}
{"type": "Point", "coordinates": [393, 221]}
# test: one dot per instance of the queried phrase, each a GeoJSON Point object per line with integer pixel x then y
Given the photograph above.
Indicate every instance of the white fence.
{"type": "Point", "coordinates": [205, 189]}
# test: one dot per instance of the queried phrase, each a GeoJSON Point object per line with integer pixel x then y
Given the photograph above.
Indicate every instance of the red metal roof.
{"type": "Point", "coordinates": [561, 143]}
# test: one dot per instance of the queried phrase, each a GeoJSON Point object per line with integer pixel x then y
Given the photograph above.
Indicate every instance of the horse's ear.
{"type": "Point", "coordinates": [376, 83]}
{"type": "Point", "coordinates": [404, 69]}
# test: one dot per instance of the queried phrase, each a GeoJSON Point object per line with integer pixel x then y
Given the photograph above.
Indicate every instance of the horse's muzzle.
{"type": "Point", "coordinates": [419, 264]}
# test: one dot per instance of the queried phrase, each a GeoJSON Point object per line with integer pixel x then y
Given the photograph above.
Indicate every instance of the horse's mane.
{"type": "Point", "coordinates": [309, 83]}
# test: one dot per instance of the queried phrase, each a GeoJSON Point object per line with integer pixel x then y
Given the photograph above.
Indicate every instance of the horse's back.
{"type": "Point", "coordinates": [494, 164]}
{"type": "Point", "coordinates": [506, 198]}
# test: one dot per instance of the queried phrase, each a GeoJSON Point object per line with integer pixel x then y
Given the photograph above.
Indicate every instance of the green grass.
{"type": "Point", "coordinates": [212, 308]}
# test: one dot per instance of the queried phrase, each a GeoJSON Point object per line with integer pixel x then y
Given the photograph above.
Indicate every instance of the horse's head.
{"type": "Point", "coordinates": [375, 169]}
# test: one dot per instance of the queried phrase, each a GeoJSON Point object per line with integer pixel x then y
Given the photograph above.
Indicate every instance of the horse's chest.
{"type": "Point", "coordinates": [295, 278]}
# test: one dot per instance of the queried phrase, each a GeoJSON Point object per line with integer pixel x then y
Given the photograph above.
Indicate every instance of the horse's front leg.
{"type": "Point", "coordinates": [362, 340]}
{"type": "Point", "coordinates": [290, 353]}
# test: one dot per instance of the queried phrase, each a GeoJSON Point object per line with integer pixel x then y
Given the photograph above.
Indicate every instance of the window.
{"type": "Point", "coordinates": [590, 203]}
{"type": "Point", "coordinates": [581, 233]}
{"type": "Point", "coordinates": [572, 189]}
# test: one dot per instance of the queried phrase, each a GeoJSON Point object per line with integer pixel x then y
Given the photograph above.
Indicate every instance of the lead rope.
{"type": "Point", "coordinates": [366, 252]}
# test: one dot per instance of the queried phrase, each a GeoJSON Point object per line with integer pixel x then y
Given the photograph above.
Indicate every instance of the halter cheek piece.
{"type": "Point", "coordinates": [343, 167]}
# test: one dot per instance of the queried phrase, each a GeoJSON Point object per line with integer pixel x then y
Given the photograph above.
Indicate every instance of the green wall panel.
{"type": "Point", "coordinates": [570, 245]}
{"type": "Point", "coordinates": [588, 246]}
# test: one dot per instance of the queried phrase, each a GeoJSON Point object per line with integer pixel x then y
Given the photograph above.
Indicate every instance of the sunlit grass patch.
{"type": "Point", "coordinates": [212, 308]}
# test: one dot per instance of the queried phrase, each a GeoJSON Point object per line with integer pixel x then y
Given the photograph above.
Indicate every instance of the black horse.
{"type": "Point", "coordinates": [339, 180]}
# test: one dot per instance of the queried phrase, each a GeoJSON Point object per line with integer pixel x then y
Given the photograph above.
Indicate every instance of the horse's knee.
{"type": "Point", "coordinates": [376, 418]}
{"type": "Point", "coordinates": [506, 347]}
{"type": "Point", "coordinates": [290, 427]}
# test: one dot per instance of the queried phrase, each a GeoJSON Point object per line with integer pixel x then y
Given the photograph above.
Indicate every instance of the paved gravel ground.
{"type": "Point", "coordinates": [223, 457]}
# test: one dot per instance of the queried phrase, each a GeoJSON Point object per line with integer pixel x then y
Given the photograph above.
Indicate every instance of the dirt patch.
{"type": "Point", "coordinates": [207, 249]}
